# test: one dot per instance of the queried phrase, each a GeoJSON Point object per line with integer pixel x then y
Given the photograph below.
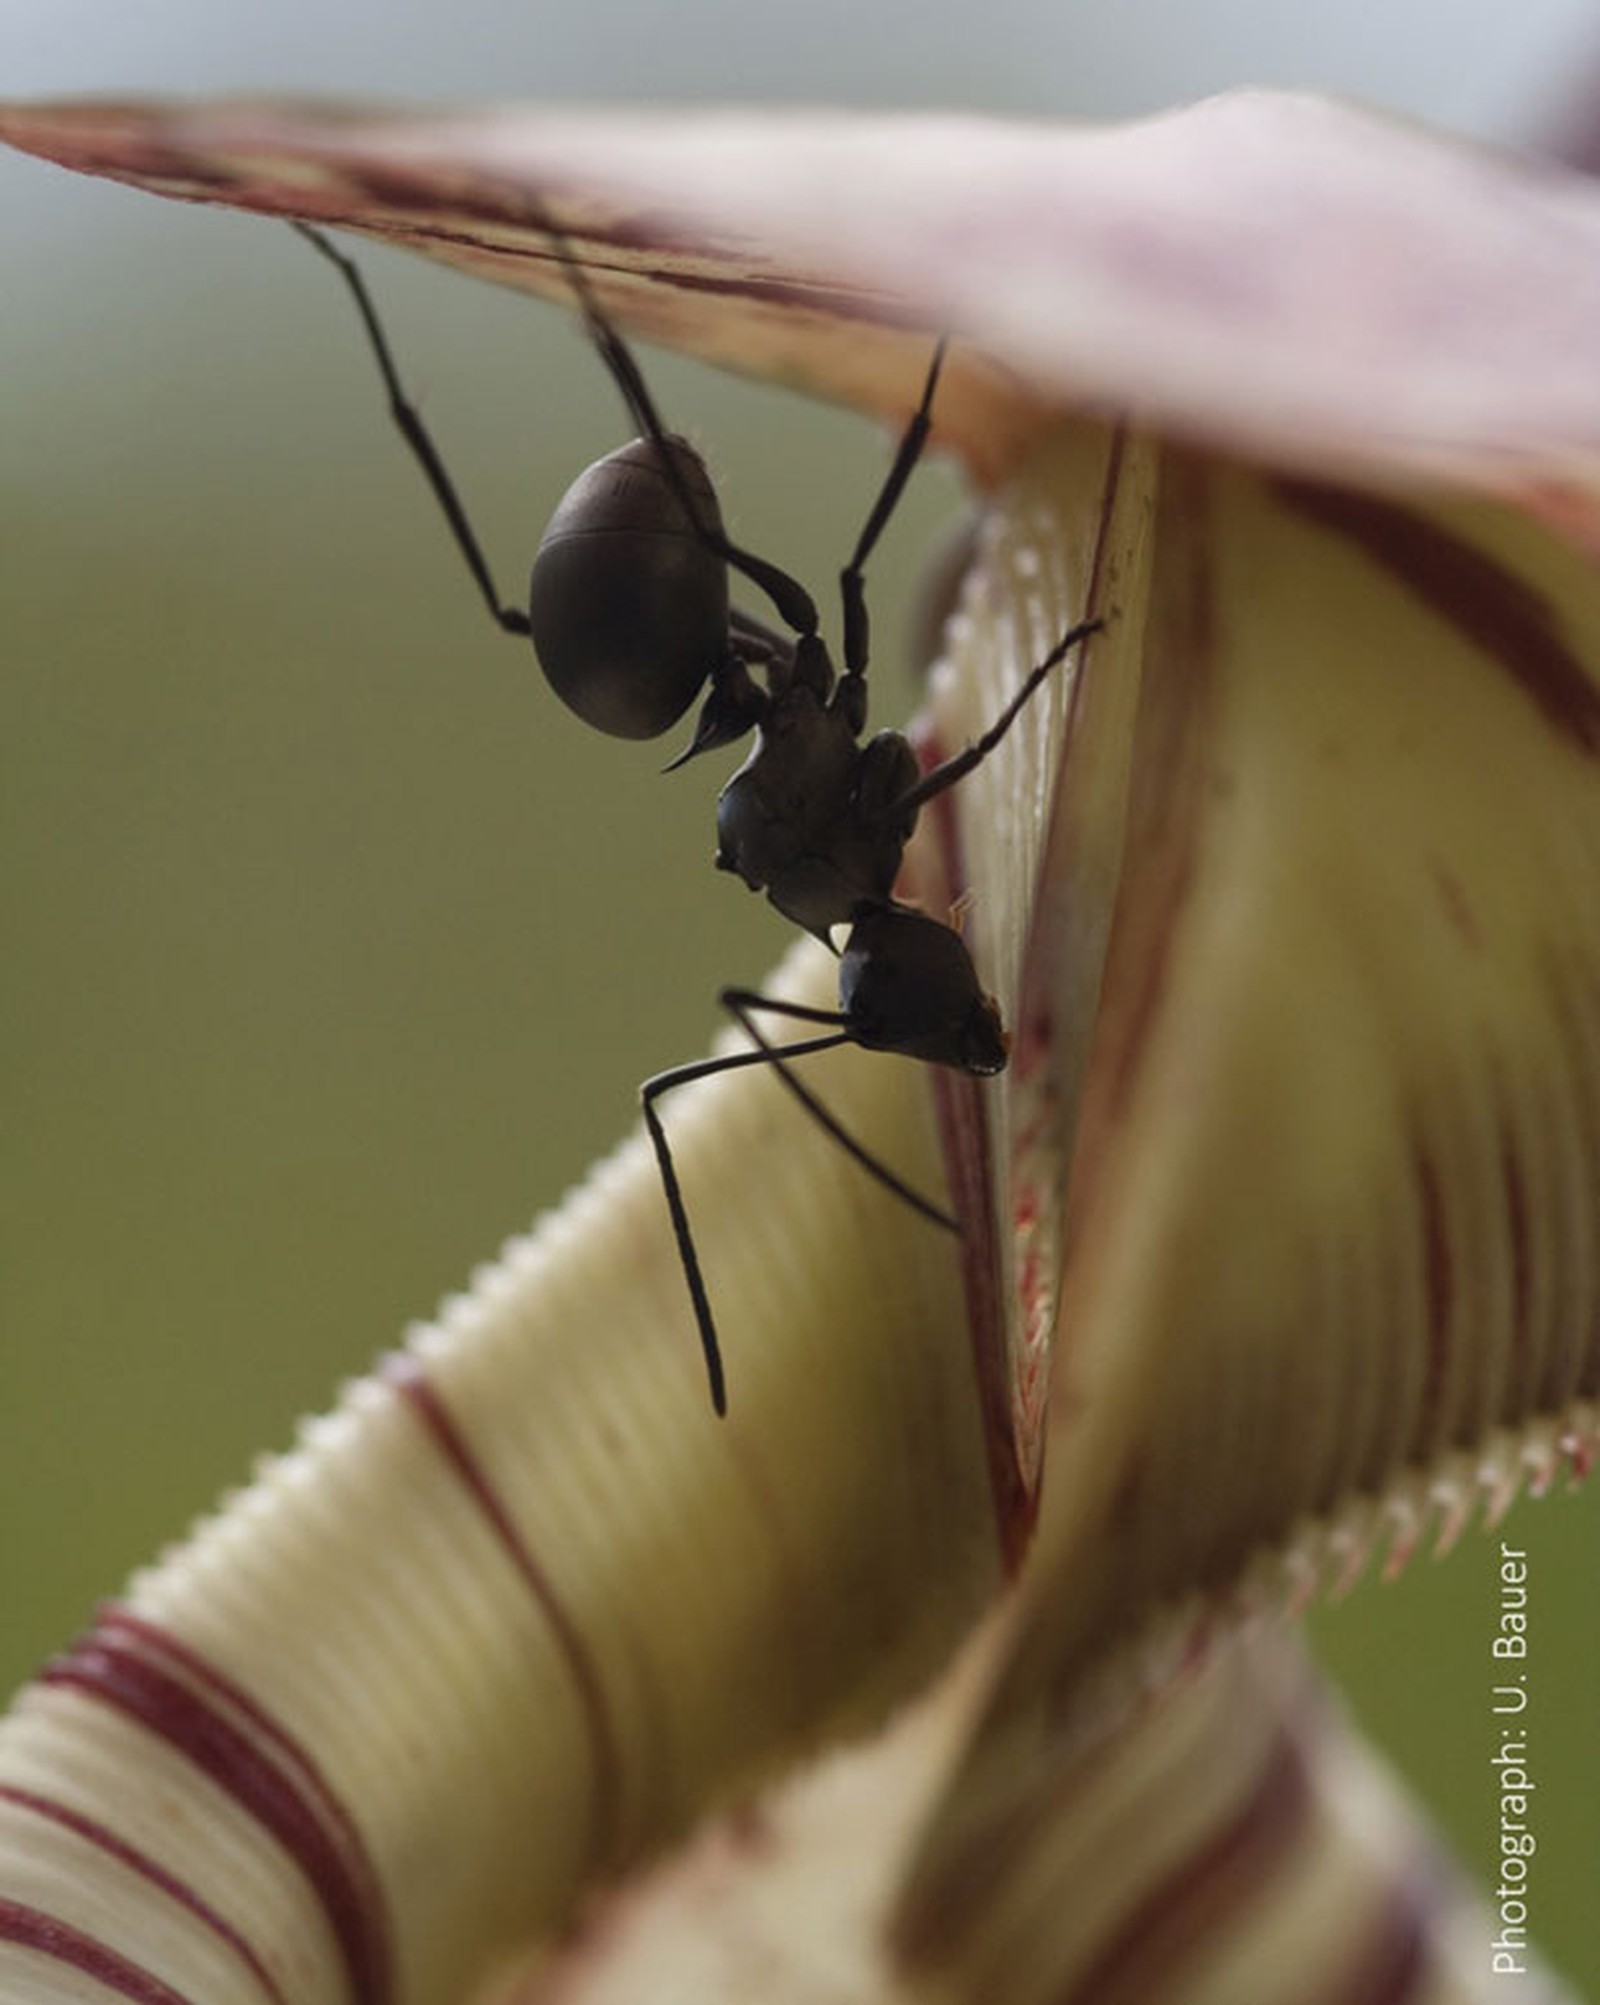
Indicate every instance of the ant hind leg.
{"type": "Point", "coordinates": [416, 434]}
{"type": "Point", "coordinates": [649, 1093]}
{"type": "Point", "coordinates": [793, 602]}
{"type": "Point", "coordinates": [742, 1005]}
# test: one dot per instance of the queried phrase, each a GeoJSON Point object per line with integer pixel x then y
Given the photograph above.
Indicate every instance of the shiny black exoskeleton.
{"type": "Point", "coordinates": [631, 617]}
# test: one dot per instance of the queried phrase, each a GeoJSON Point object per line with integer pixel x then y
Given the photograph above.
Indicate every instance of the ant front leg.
{"type": "Point", "coordinates": [961, 763]}
{"type": "Point", "coordinates": [416, 435]}
{"type": "Point", "coordinates": [852, 582]}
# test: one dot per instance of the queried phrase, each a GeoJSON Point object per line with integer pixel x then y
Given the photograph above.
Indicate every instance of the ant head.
{"type": "Point", "coordinates": [907, 984]}
{"type": "Point", "coordinates": [628, 605]}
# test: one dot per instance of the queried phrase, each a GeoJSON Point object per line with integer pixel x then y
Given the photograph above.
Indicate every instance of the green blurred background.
{"type": "Point", "coordinates": [332, 947]}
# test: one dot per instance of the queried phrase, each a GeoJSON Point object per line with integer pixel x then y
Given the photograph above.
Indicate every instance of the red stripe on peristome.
{"type": "Point", "coordinates": [47, 1936]}
{"type": "Point", "coordinates": [1392, 1965]}
{"type": "Point", "coordinates": [1034, 1032]}
{"type": "Point", "coordinates": [408, 1378]}
{"type": "Point", "coordinates": [189, 1663]}
{"type": "Point", "coordinates": [167, 1688]}
{"type": "Point", "coordinates": [105, 1840]}
{"type": "Point", "coordinates": [1206, 1892]}
{"type": "Point", "coordinates": [964, 1142]}
{"type": "Point", "coordinates": [1498, 613]}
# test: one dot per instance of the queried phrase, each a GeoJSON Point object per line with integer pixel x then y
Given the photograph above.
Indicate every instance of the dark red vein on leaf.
{"type": "Point", "coordinates": [47, 1936]}
{"type": "Point", "coordinates": [634, 252]}
{"type": "Point", "coordinates": [1048, 1056]}
{"type": "Point", "coordinates": [166, 1687]}
{"type": "Point", "coordinates": [1165, 801]}
{"type": "Point", "coordinates": [1498, 613]}
{"type": "Point", "coordinates": [408, 1378]}
{"type": "Point", "coordinates": [1034, 1036]}
{"type": "Point", "coordinates": [105, 1840]}
{"type": "Point", "coordinates": [1393, 1963]}
{"type": "Point", "coordinates": [1194, 1902]}
{"type": "Point", "coordinates": [165, 159]}
{"type": "Point", "coordinates": [964, 1139]}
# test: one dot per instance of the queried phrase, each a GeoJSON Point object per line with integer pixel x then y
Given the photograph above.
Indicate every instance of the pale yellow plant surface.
{"type": "Point", "coordinates": [1277, 1246]}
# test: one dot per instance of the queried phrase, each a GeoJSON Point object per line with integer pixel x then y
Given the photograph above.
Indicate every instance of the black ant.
{"type": "Point", "coordinates": [629, 614]}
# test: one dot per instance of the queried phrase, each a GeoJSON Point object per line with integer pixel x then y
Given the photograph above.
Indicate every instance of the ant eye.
{"type": "Point", "coordinates": [629, 601]}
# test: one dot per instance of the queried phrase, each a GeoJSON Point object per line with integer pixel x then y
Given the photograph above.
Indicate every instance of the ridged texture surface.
{"type": "Point", "coordinates": [519, 1611]}
{"type": "Point", "coordinates": [1330, 1285]}
{"type": "Point", "coordinates": [1279, 1239]}
{"type": "Point", "coordinates": [521, 1606]}
{"type": "Point", "coordinates": [1231, 1842]}
{"type": "Point", "coordinates": [1234, 1841]}
{"type": "Point", "coordinates": [1331, 1217]}
{"type": "Point", "coordinates": [1043, 823]}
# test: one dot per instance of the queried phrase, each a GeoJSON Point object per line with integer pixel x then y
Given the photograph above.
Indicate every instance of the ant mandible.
{"type": "Point", "coordinates": [629, 614]}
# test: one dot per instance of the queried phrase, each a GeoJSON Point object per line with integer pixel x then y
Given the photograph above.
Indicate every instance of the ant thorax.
{"type": "Point", "coordinates": [813, 818]}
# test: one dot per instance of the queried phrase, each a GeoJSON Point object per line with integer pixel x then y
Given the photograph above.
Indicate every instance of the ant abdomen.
{"type": "Point", "coordinates": [628, 604]}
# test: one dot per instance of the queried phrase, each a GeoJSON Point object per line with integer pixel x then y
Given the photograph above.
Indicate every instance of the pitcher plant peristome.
{"type": "Point", "coordinates": [1279, 1234]}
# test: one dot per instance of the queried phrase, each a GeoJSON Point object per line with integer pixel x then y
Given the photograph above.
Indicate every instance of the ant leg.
{"type": "Point", "coordinates": [794, 603]}
{"type": "Point", "coordinates": [739, 1003]}
{"type": "Point", "coordinates": [744, 626]}
{"type": "Point", "coordinates": [852, 585]}
{"type": "Point", "coordinates": [416, 435]}
{"type": "Point", "coordinates": [961, 763]}
{"type": "Point", "coordinates": [688, 1260]}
